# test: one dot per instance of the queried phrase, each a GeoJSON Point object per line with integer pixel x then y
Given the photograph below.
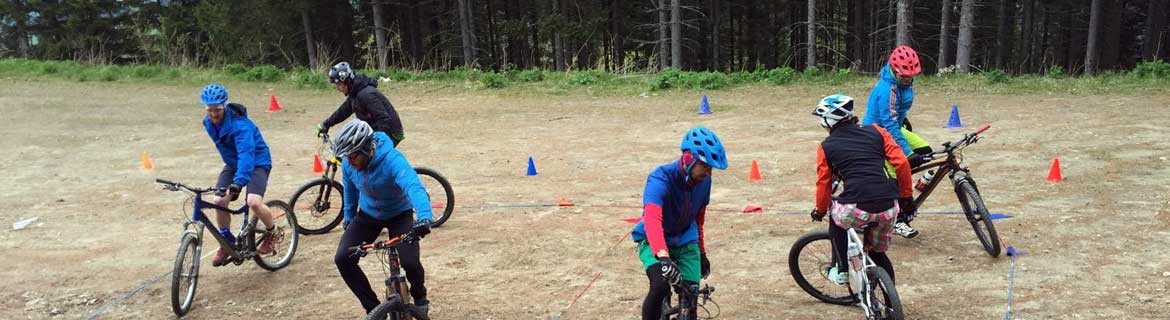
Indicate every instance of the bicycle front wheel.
{"type": "Point", "coordinates": [809, 261]}
{"type": "Point", "coordinates": [978, 216]}
{"type": "Point", "coordinates": [884, 302]}
{"type": "Point", "coordinates": [440, 194]}
{"type": "Point", "coordinates": [284, 237]}
{"type": "Point", "coordinates": [185, 275]}
{"type": "Point", "coordinates": [318, 203]}
{"type": "Point", "coordinates": [392, 309]}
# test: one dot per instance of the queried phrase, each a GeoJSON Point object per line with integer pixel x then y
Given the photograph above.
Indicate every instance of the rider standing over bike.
{"type": "Point", "coordinates": [246, 163]}
{"type": "Point", "coordinates": [889, 107]}
{"type": "Point", "coordinates": [382, 192]}
{"type": "Point", "coordinates": [858, 155]}
{"type": "Point", "coordinates": [363, 100]}
{"type": "Point", "coordinates": [670, 234]}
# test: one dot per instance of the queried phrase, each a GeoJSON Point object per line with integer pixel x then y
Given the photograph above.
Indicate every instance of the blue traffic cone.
{"type": "Point", "coordinates": [531, 167]}
{"type": "Point", "coordinates": [704, 108]}
{"type": "Point", "coordinates": [954, 122]}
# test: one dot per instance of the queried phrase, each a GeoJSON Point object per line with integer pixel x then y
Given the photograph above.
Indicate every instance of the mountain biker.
{"type": "Point", "coordinates": [670, 234]}
{"type": "Point", "coordinates": [246, 159]}
{"type": "Point", "coordinates": [386, 194]}
{"type": "Point", "coordinates": [858, 156]}
{"type": "Point", "coordinates": [364, 101]}
{"type": "Point", "coordinates": [889, 106]}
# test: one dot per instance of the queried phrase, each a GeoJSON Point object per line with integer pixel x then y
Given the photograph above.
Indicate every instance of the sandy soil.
{"type": "Point", "coordinates": [1096, 245]}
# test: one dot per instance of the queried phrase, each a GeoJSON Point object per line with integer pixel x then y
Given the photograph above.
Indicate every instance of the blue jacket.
{"type": "Point", "coordinates": [387, 187]}
{"type": "Point", "coordinates": [889, 104]}
{"type": "Point", "coordinates": [666, 188]}
{"type": "Point", "coordinates": [239, 142]}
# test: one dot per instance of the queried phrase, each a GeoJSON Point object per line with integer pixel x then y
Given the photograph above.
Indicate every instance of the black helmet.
{"type": "Point", "coordinates": [340, 72]}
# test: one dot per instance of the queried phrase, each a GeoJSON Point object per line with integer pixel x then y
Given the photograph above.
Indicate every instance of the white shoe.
{"type": "Point", "coordinates": [904, 230]}
{"type": "Point", "coordinates": [840, 278]}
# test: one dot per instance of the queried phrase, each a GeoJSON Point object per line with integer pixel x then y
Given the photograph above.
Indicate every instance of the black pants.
{"type": "Point", "coordinates": [365, 229]}
{"type": "Point", "coordinates": [659, 288]}
{"type": "Point", "coordinates": [841, 246]}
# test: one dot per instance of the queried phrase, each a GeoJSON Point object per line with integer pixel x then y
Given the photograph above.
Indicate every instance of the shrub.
{"type": "Point", "coordinates": [530, 75]}
{"type": "Point", "coordinates": [492, 80]}
{"type": "Point", "coordinates": [1154, 69]}
{"type": "Point", "coordinates": [1055, 72]}
{"type": "Point", "coordinates": [707, 80]}
{"type": "Point", "coordinates": [265, 73]}
{"type": "Point", "coordinates": [583, 78]}
{"type": "Point", "coordinates": [995, 76]}
{"type": "Point", "coordinates": [234, 68]}
{"type": "Point", "coordinates": [780, 76]}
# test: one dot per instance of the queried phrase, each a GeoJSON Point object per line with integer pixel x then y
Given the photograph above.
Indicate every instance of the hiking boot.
{"type": "Point", "coordinates": [221, 258]}
{"type": "Point", "coordinates": [267, 246]}
{"type": "Point", "coordinates": [421, 311]}
{"type": "Point", "coordinates": [904, 230]}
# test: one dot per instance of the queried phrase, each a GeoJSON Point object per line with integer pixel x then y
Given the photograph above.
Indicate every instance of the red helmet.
{"type": "Point", "coordinates": [905, 60]}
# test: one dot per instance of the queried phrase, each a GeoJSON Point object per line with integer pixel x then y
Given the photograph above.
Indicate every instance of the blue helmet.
{"type": "Point", "coordinates": [705, 146]}
{"type": "Point", "coordinates": [213, 94]}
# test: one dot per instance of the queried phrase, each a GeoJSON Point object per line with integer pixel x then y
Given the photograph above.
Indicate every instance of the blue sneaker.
{"type": "Point", "coordinates": [840, 278]}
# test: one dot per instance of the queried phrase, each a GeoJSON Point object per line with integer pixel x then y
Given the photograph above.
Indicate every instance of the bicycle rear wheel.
{"type": "Point", "coordinates": [318, 204]}
{"type": "Point", "coordinates": [885, 303]}
{"type": "Point", "coordinates": [440, 194]}
{"type": "Point", "coordinates": [185, 275]}
{"type": "Point", "coordinates": [284, 237]}
{"type": "Point", "coordinates": [978, 216]}
{"type": "Point", "coordinates": [809, 261]}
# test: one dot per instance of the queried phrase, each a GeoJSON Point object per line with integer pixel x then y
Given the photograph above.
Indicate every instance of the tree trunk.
{"type": "Point", "coordinates": [905, 14]}
{"type": "Point", "coordinates": [715, 35]}
{"type": "Point", "coordinates": [855, 32]}
{"type": "Point", "coordinates": [1027, 37]}
{"type": "Point", "coordinates": [675, 35]}
{"type": "Point", "coordinates": [309, 43]}
{"type": "Point", "coordinates": [345, 32]}
{"type": "Point", "coordinates": [618, 15]}
{"type": "Point", "coordinates": [466, 27]}
{"type": "Point", "coordinates": [1154, 37]}
{"type": "Point", "coordinates": [1094, 31]}
{"type": "Point", "coordinates": [1003, 36]}
{"type": "Point", "coordinates": [558, 43]}
{"type": "Point", "coordinates": [944, 49]}
{"type": "Point", "coordinates": [966, 23]}
{"type": "Point", "coordinates": [1110, 36]}
{"type": "Point", "coordinates": [493, 49]}
{"type": "Point", "coordinates": [379, 34]}
{"type": "Point", "coordinates": [663, 36]}
{"type": "Point", "coordinates": [810, 59]}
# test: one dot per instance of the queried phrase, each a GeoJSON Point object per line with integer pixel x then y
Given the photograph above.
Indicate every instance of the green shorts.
{"type": "Point", "coordinates": [915, 142]}
{"type": "Point", "coordinates": [686, 257]}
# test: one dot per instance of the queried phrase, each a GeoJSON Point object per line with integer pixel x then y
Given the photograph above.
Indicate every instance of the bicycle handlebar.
{"type": "Point", "coordinates": [968, 139]}
{"type": "Point", "coordinates": [174, 186]}
{"type": "Point", "coordinates": [362, 250]}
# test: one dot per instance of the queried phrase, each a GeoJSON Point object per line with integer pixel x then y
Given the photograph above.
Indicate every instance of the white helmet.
{"type": "Point", "coordinates": [354, 136]}
{"type": "Point", "coordinates": [833, 109]}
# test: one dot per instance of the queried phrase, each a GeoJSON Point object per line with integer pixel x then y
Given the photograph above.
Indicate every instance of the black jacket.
{"type": "Point", "coordinates": [368, 104]}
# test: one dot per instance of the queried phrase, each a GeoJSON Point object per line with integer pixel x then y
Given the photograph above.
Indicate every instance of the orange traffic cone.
{"type": "Point", "coordinates": [146, 162]}
{"type": "Point", "coordinates": [317, 168]}
{"type": "Point", "coordinates": [564, 202]}
{"type": "Point", "coordinates": [273, 106]}
{"type": "Point", "coordinates": [1054, 172]}
{"type": "Point", "coordinates": [755, 173]}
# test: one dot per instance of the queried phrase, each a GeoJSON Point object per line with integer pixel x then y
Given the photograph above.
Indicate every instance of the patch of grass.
{"type": "Point", "coordinates": [530, 75]}
{"type": "Point", "coordinates": [265, 73]}
{"type": "Point", "coordinates": [995, 76]}
{"type": "Point", "coordinates": [1154, 69]}
{"type": "Point", "coordinates": [234, 68]}
{"type": "Point", "coordinates": [492, 80]}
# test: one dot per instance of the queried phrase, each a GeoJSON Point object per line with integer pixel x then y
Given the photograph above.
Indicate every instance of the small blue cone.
{"type": "Point", "coordinates": [531, 167]}
{"type": "Point", "coordinates": [997, 216]}
{"type": "Point", "coordinates": [954, 123]}
{"type": "Point", "coordinates": [1011, 251]}
{"type": "Point", "coordinates": [704, 108]}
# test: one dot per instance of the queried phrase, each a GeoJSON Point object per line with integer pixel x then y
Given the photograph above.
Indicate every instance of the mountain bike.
{"type": "Point", "coordinates": [397, 305]}
{"type": "Point", "coordinates": [185, 275]}
{"type": "Point", "coordinates": [319, 201]}
{"type": "Point", "coordinates": [949, 162]}
{"type": "Point", "coordinates": [869, 286]}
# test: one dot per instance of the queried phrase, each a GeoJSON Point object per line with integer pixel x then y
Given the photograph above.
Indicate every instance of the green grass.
{"type": "Point", "coordinates": [1146, 77]}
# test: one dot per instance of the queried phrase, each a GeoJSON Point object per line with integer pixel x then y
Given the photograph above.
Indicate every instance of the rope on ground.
{"type": "Point", "coordinates": [106, 306]}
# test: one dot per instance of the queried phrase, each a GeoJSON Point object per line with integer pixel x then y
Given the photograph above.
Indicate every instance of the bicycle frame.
{"type": "Point", "coordinates": [198, 221]}
{"type": "Point", "coordinates": [950, 166]}
{"type": "Point", "coordinates": [859, 261]}
{"type": "Point", "coordinates": [396, 285]}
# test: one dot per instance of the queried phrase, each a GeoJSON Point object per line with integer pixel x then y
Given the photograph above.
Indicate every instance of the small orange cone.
{"type": "Point", "coordinates": [146, 162]}
{"type": "Point", "coordinates": [564, 202]}
{"type": "Point", "coordinates": [1054, 172]}
{"type": "Point", "coordinates": [755, 173]}
{"type": "Point", "coordinates": [273, 106]}
{"type": "Point", "coordinates": [317, 168]}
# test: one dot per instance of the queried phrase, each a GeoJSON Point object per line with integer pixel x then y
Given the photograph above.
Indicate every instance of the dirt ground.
{"type": "Point", "coordinates": [1095, 246]}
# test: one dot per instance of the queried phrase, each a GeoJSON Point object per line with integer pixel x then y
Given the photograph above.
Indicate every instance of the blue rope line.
{"type": "Point", "coordinates": [1011, 282]}
{"type": "Point", "coordinates": [99, 311]}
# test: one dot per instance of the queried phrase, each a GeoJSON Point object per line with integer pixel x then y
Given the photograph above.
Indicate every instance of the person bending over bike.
{"type": "Point", "coordinates": [246, 163]}
{"type": "Point", "coordinates": [363, 100]}
{"type": "Point", "coordinates": [670, 234]}
{"type": "Point", "coordinates": [382, 192]}
{"type": "Point", "coordinates": [858, 156]}
{"type": "Point", "coordinates": [889, 107]}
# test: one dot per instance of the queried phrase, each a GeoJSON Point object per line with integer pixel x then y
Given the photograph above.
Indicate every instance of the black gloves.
{"type": "Point", "coordinates": [907, 205]}
{"type": "Point", "coordinates": [817, 216]}
{"type": "Point", "coordinates": [669, 270]}
{"type": "Point", "coordinates": [704, 265]}
{"type": "Point", "coordinates": [233, 191]}
{"type": "Point", "coordinates": [422, 228]}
